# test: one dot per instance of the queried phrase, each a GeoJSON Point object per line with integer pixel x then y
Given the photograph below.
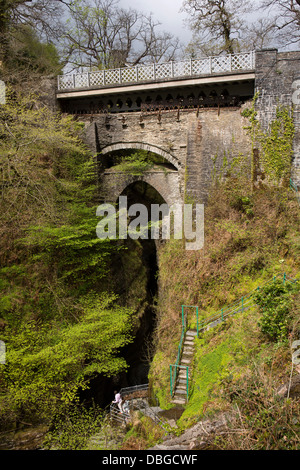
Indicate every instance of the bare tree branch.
{"type": "Point", "coordinates": [101, 35]}
{"type": "Point", "coordinates": [216, 23]}
{"type": "Point", "coordinates": [286, 19]}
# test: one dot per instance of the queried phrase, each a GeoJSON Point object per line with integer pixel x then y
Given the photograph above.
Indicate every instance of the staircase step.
{"type": "Point", "coordinates": [187, 353]}
{"type": "Point", "coordinates": [191, 333]}
{"type": "Point", "coordinates": [179, 392]}
{"type": "Point", "coordinates": [178, 401]}
{"type": "Point", "coordinates": [186, 362]}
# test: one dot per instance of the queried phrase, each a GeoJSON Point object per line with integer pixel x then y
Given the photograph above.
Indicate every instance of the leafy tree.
{"type": "Point", "coordinates": [47, 366]}
{"type": "Point", "coordinates": [34, 144]}
{"type": "Point", "coordinates": [59, 327]}
{"type": "Point", "coordinates": [28, 55]}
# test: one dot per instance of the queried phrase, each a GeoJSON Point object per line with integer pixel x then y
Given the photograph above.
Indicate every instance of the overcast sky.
{"type": "Point", "coordinates": [166, 12]}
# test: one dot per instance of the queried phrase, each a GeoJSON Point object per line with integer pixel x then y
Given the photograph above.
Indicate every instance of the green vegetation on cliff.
{"type": "Point", "coordinates": [250, 236]}
{"type": "Point", "coordinates": [59, 319]}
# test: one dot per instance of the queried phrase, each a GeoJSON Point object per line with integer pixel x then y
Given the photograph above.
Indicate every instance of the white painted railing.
{"type": "Point", "coordinates": [153, 72]}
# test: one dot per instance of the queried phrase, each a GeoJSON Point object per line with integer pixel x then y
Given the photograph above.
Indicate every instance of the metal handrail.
{"type": "Point", "coordinates": [158, 71]}
{"type": "Point", "coordinates": [241, 304]}
{"type": "Point", "coordinates": [174, 368]}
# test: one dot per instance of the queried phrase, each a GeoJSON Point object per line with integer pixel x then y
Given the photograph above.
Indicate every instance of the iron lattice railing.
{"type": "Point", "coordinates": [153, 72]}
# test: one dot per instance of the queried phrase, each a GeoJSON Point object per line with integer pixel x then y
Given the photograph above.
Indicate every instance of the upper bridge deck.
{"type": "Point", "coordinates": [159, 75]}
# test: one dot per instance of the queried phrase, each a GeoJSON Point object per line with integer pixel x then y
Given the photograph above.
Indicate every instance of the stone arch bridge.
{"type": "Point", "coordinates": [188, 113]}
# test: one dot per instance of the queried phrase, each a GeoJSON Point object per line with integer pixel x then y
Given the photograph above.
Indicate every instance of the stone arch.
{"type": "Point", "coordinates": [149, 181]}
{"type": "Point", "coordinates": [142, 146]}
{"type": "Point", "coordinates": [166, 184]}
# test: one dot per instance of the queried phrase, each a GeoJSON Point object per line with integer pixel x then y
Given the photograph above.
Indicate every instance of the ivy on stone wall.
{"type": "Point", "coordinates": [275, 144]}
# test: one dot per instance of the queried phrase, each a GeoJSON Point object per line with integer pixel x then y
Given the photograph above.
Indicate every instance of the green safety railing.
{"type": "Point", "coordinates": [174, 368]}
{"type": "Point", "coordinates": [240, 305]}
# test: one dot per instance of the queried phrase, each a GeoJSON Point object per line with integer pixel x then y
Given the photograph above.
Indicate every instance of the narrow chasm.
{"type": "Point", "coordinates": [134, 278]}
{"type": "Point", "coordinates": [135, 275]}
{"type": "Point", "coordinates": [139, 354]}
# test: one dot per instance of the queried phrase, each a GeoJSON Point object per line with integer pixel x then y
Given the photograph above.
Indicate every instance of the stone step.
{"type": "Point", "coordinates": [190, 344]}
{"type": "Point", "coordinates": [191, 333]}
{"type": "Point", "coordinates": [178, 401]}
{"type": "Point", "coordinates": [187, 352]}
{"type": "Point", "coordinates": [185, 362]}
{"type": "Point", "coordinates": [179, 392]}
{"type": "Point", "coordinates": [181, 381]}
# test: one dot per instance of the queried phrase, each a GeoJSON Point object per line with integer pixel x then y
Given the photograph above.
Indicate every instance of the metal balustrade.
{"type": "Point", "coordinates": [153, 72]}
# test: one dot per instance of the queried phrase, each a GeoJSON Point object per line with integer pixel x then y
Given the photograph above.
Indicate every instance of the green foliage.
{"type": "Point", "coordinates": [243, 204]}
{"type": "Point", "coordinates": [48, 363]}
{"type": "Point", "coordinates": [72, 429]}
{"type": "Point", "coordinates": [267, 423]}
{"type": "Point", "coordinates": [28, 54]}
{"type": "Point", "coordinates": [209, 365]}
{"type": "Point", "coordinates": [138, 162]}
{"type": "Point", "coordinates": [40, 153]}
{"type": "Point", "coordinates": [277, 145]}
{"type": "Point", "coordinates": [60, 329]}
{"type": "Point", "coordinates": [275, 302]}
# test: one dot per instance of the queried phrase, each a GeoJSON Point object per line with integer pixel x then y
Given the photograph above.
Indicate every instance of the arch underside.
{"type": "Point", "coordinates": [142, 146]}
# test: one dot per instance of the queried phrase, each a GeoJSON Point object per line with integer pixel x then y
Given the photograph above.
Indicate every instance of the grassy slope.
{"type": "Point", "coordinates": [249, 238]}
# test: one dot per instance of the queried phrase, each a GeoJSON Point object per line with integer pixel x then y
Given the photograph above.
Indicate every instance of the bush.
{"type": "Point", "coordinates": [72, 429]}
{"type": "Point", "coordinates": [275, 302]}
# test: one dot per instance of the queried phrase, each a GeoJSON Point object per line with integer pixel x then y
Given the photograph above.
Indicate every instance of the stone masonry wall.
{"type": "Point", "coordinates": [195, 143]}
{"type": "Point", "coordinates": [276, 77]}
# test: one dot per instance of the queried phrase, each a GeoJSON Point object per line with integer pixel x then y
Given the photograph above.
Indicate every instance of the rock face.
{"type": "Point", "coordinates": [199, 436]}
{"type": "Point", "coordinates": [290, 389]}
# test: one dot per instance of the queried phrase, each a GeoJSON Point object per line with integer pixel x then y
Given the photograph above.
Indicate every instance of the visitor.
{"type": "Point", "coordinates": [118, 400]}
